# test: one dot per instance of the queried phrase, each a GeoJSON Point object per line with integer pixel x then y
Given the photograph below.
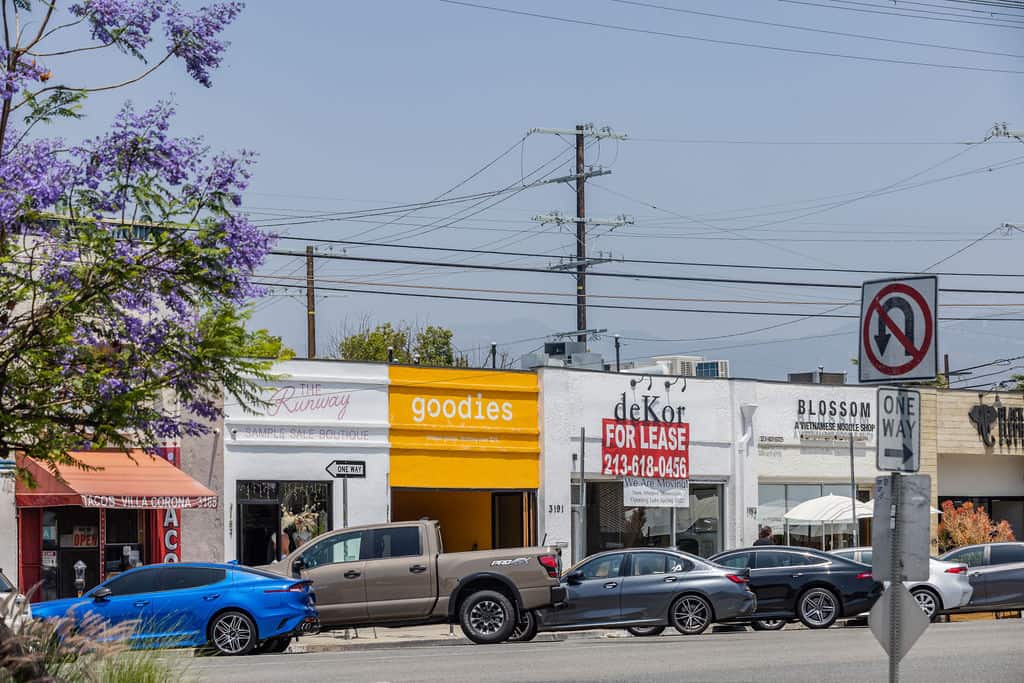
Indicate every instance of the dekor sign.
{"type": "Point", "coordinates": [830, 420]}
{"type": "Point", "coordinates": [646, 438]}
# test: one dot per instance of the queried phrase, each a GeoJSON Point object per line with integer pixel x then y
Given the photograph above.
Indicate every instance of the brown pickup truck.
{"type": "Point", "coordinates": [398, 575]}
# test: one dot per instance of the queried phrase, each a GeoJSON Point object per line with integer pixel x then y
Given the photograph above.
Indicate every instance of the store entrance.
{"type": "Point", "coordinates": [470, 519]}
{"type": "Point", "coordinates": [259, 525]}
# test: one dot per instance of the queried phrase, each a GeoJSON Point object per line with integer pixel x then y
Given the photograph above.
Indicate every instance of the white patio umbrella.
{"type": "Point", "coordinates": [934, 511]}
{"type": "Point", "coordinates": [830, 509]}
{"type": "Point", "coordinates": [827, 509]}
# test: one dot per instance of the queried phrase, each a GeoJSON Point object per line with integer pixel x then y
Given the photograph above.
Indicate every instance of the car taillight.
{"type": "Point", "coordinates": [736, 578]}
{"type": "Point", "coordinates": [957, 570]}
{"type": "Point", "coordinates": [550, 563]}
{"type": "Point", "coordinates": [864, 575]}
{"type": "Point", "coordinates": [300, 587]}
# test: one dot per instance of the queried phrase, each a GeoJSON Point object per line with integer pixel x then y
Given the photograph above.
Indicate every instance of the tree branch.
{"type": "Point", "coordinates": [42, 27]}
{"type": "Point", "coordinates": [115, 86]}
{"type": "Point", "coordinates": [69, 52]}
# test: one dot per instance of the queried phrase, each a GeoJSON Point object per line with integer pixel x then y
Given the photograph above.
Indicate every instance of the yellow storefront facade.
{"type": "Point", "coordinates": [465, 451]}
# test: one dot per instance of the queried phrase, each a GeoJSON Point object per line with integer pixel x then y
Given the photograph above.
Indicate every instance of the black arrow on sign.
{"type": "Point", "coordinates": [907, 454]}
{"type": "Point", "coordinates": [882, 337]}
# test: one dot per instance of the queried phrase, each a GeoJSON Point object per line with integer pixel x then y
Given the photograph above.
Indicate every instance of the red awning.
{"type": "Point", "coordinates": [142, 481]}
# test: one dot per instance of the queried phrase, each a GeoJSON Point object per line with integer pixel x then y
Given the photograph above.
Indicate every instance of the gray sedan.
{"type": "Point", "coordinates": [996, 571]}
{"type": "Point", "coordinates": [644, 591]}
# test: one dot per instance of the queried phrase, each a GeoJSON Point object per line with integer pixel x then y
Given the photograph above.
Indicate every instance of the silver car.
{"type": "Point", "coordinates": [996, 571]}
{"type": "Point", "coordinates": [946, 589]}
{"type": "Point", "coordinates": [644, 591]}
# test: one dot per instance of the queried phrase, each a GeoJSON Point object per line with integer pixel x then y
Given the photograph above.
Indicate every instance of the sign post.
{"type": "Point", "coordinates": [900, 532]}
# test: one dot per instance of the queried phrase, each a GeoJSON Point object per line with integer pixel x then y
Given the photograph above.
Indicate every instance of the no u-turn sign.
{"type": "Point", "coordinates": [899, 330]}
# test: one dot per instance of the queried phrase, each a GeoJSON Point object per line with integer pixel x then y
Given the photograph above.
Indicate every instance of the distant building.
{"type": "Point", "coordinates": [684, 366]}
{"type": "Point", "coordinates": [819, 376]}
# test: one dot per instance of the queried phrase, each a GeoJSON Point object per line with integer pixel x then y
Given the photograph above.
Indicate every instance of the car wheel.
{"type": "Point", "coordinates": [274, 645]}
{"type": "Point", "coordinates": [526, 628]}
{"type": "Point", "coordinates": [233, 633]}
{"type": "Point", "coordinates": [768, 624]}
{"type": "Point", "coordinates": [690, 615]}
{"type": "Point", "coordinates": [928, 601]}
{"type": "Point", "coordinates": [818, 608]}
{"type": "Point", "coordinates": [487, 617]}
{"type": "Point", "coordinates": [643, 631]}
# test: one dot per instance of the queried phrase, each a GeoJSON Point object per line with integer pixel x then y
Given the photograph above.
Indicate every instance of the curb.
{"type": "Point", "coordinates": [445, 641]}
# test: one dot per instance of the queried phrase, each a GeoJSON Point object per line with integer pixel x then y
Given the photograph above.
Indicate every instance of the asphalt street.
{"type": "Point", "coordinates": [973, 651]}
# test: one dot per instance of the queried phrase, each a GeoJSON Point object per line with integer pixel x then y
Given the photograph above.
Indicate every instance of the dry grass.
{"type": "Point", "coordinates": [87, 651]}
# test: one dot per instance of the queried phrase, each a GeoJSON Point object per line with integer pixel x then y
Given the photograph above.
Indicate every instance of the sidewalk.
{"type": "Point", "coordinates": [433, 635]}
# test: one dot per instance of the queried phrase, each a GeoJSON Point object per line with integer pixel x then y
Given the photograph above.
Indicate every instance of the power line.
{"type": "Point", "coordinates": [634, 276]}
{"type": "Point", "coordinates": [964, 20]}
{"type": "Point", "coordinates": [659, 309]}
{"type": "Point", "coordinates": [694, 264]}
{"type": "Point", "coordinates": [733, 43]}
{"type": "Point", "coordinates": [810, 29]}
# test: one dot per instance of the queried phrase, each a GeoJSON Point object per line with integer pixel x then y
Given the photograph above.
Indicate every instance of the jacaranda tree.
{"type": "Point", "coordinates": [124, 266]}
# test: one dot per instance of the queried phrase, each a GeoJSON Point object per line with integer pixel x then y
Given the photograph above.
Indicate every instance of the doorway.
{"type": "Point", "coordinates": [258, 540]}
{"type": "Point", "coordinates": [470, 519]}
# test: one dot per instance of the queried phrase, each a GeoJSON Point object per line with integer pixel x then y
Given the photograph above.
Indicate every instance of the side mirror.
{"type": "Point", "coordinates": [101, 594]}
{"type": "Point", "coordinates": [297, 566]}
{"type": "Point", "coordinates": [574, 577]}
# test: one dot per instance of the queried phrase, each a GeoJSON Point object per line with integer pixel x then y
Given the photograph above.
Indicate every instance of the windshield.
{"type": "Point", "coordinates": [5, 585]}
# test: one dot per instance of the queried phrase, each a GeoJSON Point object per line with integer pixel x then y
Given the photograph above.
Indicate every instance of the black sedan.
{"type": "Point", "coordinates": [644, 591]}
{"type": "Point", "coordinates": [800, 583]}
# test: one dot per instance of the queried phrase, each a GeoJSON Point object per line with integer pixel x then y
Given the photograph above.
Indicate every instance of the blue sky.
{"type": "Point", "coordinates": [353, 105]}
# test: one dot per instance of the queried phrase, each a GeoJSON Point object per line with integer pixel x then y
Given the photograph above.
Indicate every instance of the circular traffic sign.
{"type": "Point", "coordinates": [908, 299]}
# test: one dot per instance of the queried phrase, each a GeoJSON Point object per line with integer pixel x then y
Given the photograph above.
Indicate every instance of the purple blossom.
{"type": "Point", "coordinates": [12, 81]}
{"type": "Point", "coordinates": [194, 35]}
{"type": "Point", "coordinates": [126, 22]}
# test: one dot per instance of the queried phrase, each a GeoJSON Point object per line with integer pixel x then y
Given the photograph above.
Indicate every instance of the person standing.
{"type": "Point", "coordinates": [764, 536]}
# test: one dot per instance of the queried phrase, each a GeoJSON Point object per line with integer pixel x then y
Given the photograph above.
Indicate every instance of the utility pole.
{"type": "Point", "coordinates": [310, 306]}
{"type": "Point", "coordinates": [581, 133]}
{"type": "Point", "coordinates": [581, 237]}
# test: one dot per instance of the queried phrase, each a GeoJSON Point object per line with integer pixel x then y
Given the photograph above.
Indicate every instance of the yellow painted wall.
{"type": "Point", "coordinates": [465, 516]}
{"type": "Point", "coordinates": [462, 428]}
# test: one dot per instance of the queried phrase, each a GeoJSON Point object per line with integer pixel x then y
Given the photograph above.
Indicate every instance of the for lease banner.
{"type": "Point", "coordinates": [654, 450]}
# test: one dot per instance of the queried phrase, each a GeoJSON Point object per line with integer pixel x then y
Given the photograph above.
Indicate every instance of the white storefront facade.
{"type": "Point", "coordinates": [707, 420]}
{"type": "Point", "coordinates": [283, 467]}
{"type": "Point", "coordinates": [802, 435]}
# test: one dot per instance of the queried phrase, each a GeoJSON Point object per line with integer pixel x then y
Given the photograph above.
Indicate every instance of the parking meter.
{"type": "Point", "coordinates": [80, 577]}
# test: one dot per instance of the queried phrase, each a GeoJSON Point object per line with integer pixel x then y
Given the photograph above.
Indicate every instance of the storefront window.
{"type": "Point", "coordinates": [276, 517]}
{"type": "Point", "coordinates": [695, 529]}
{"type": "Point", "coordinates": [775, 500]}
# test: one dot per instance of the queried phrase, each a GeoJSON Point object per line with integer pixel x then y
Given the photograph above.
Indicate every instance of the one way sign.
{"type": "Point", "coordinates": [899, 430]}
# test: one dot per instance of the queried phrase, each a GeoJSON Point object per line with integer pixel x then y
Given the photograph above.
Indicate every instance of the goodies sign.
{"type": "Point", "coordinates": [656, 450]}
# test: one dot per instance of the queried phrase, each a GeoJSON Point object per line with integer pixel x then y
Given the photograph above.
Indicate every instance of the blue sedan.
{"type": "Point", "coordinates": [233, 609]}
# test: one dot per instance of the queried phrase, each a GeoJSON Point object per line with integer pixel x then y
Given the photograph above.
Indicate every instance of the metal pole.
{"type": "Point", "coordinates": [583, 496]}
{"type": "Point", "coordinates": [581, 239]}
{"type": "Point", "coordinates": [494, 354]}
{"type": "Point", "coordinates": [853, 499]}
{"type": "Point", "coordinates": [344, 503]}
{"type": "Point", "coordinates": [895, 576]}
{"type": "Point", "coordinates": [617, 365]}
{"type": "Point", "coordinates": [310, 306]}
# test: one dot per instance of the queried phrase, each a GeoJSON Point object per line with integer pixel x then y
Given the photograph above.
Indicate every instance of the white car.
{"type": "Point", "coordinates": [948, 586]}
{"type": "Point", "coordinates": [14, 608]}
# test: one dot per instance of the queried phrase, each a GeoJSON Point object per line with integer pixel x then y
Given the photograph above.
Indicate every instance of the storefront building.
{"type": "Point", "coordinates": [83, 526]}
{"type": "Point", "coordinates": [978, 440]}
{"type": "Point", "coordinates": [802, 438]}
{"type": "Point", "coordinates": [665, 462]}
{"type": "Point", "coordinates": [465, 451]}
{"type": "Point", "coordinates": [315, 458]}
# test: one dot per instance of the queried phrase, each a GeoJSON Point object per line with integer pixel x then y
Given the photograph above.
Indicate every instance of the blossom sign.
{"type": "Point", "coordinates": [655, 450]}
